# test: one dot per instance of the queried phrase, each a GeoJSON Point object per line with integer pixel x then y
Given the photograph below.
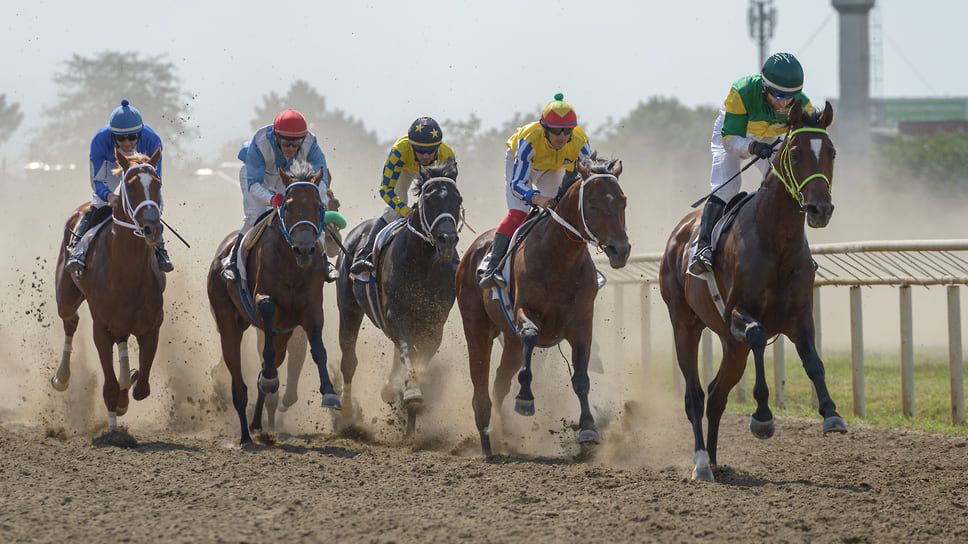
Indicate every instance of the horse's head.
{"type": "Point", "coordinates": [301, 215]}
{"type": "Point", "coordinates": [438, 210]}
{"type": "Point", "coordinates": [805, 163]}
{"type": "Point", "coordinates": [598, 211]}
{"type": "Point", "coordinates": [140, 204]}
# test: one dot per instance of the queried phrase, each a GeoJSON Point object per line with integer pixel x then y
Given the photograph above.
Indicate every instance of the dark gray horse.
{"type": "Point", "coordinates": [411, 291]}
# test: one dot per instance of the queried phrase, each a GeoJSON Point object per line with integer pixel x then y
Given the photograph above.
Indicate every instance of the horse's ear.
{"type": "Point", "coordinates": [585, 172]}
{"type": "Point", "coordinates": [451, 169]}
{"type": "Point", "coordinates": [319, 175]}
{"type": "Point", "coordinates": [795, 117]}
{"type": "Point", "coordinates": [123, 161]}
{"type": "Point", "coordinates": [827, 117]}
{"type": "Point", "coordinates": [155, 157]}
{"type": "Point", "coordinates": [617, 171]}
{"type": "Point", "coordinates": [285, 177]}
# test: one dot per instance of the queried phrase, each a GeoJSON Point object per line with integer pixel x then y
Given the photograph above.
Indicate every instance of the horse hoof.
{"type": "Point", "coordinates": [834, 424]}
{"type": "Point", "coordinates": [588, 436]}
{"type": "Point", "coordinates": [412, 395]}
{"type": "Point", "coordinates": [58, 386]}
{"type": "Point", "coordinates": [133, 378]}
{"type": "Point", "coordinates": [703, 474]}
{"type": "Point", "coordinates": [524, 407]}
{"type": "Point", "coordinates": [762, 429]}
{"type": "Point", "coordinates": [268, 386]}
{"type": "Point", "coordinates": [389, 393]}
{"type": "Point", "coordinates": [331, 400]}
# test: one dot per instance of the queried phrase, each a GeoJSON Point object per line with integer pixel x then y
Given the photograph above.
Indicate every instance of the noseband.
{"type": "Point", "coordinates": [426, 226]}
{"type": "Point", "coordinates": [132, 213]}
{"type": "Point", "coordinates": [588, 236]}
{"type": "Point", "coordinates": [788, 177]}
{"type": "Point", "coordinates": [317, 227]}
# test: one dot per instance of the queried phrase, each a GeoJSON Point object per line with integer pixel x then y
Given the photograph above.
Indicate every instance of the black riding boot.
{"type": "Point", "coordinates": [329, 271]}
{"type": "Point", "coordinates": [76, 262]}
{"type": "Point", "coordinates": [164, 263]}
{"type": "Point", "coordinates": [702, 258]}
{"type": "Point", "coordinates": [230, 272]}
{"type": "Point", "coordinates": [487, 273]}
{"type": "Point", "coordinates": [364, 255]}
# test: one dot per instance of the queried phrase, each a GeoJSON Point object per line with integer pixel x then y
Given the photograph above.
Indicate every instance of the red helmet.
{"type": "Point", "coordinates": [559, 114]}
{"type": "Point", "coordinates": [290, 124]}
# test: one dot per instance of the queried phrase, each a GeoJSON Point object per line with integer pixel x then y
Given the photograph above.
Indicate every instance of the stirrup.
{"type": "Point", "coordinates": [75, 264]}
{"type": "Point", "coordinates": [164, 263]}
{"type": "Point", "coordinates": [701, 261]}
{"type": "Point", "coordinates": [228, 274]}
{"type": "Point", "coordinates": [361, 265]}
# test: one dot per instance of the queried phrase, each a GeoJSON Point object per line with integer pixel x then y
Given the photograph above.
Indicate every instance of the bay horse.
{"type": "Point", "coordinates": [412, 288]}
{"type": "Point", "coordinates": [553, 284]}
{"type": "Point", "coordinates": [122, 285]}
{"type": "Point", "coordinates": [285, 276]}
{"type": "Point", "coordinates": [765, 273]}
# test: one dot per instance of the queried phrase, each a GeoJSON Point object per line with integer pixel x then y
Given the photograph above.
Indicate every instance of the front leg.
{"type": "Point", "coordinates": [745, 327]}
{"type": "Point", "coordinates": [269, 377]}
{"type": "Point", "coordinates": [804, 342]}
{"type": "Point", "coordinates": [528, 333]}
{"type": "Point", "coordinates": [318, 351]}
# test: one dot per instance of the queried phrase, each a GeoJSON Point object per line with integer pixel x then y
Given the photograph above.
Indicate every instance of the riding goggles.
{"type": "Point", "coordinates": [288, 142]}
{"type": "Point", "coordinates": [132, 137]}
{"type": "Point", "coordinates": [560, 131]}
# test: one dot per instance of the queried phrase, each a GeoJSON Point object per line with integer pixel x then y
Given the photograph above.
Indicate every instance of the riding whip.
{"type": "Point", "coordinates": [751, 163]}
{"type": "Point", "coordinates": [167, 226]}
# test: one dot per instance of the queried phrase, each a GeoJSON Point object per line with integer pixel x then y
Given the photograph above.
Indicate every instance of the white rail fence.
{"type": "Point", "coordinates": [900, 264]}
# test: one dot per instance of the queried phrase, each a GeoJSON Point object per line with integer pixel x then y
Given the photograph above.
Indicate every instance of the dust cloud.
{"type": "Point", "coordinates": [634, 405]}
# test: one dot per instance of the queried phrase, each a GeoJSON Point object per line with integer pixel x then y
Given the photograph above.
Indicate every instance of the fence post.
{"type": "Point", "coordinates": [955, 362]}
{"type": "Point", "coordinates": [645, 339]}
{"type": "Point", "coordinates": [907, 351]}
{"type": "Point", "coordinates": [857, 350]}
{"type": "Point", "coordinates": [779, 373]}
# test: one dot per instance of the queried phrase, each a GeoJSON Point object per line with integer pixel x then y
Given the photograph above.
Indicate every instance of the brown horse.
{"type": "Point", "coordinates": [765, 273]}
{"type": "Point", "coordinates": [553, 284]}
{"type": "Point", "coordinates": [122, 284]}
{"type": "Point", "coordinates": [285, 276]}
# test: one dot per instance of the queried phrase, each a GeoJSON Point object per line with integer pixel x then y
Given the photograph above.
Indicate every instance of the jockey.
{"type": "Point", "coordinates": [537, 158]}
{"type": "Point", "coordinates": [273, 147]}
{"type": "Point", "coordinates": [422, 146]}
{"type": "Point", "coordinates": [125, 131]}
{"type": "Point", "coordinates": [752, 117]}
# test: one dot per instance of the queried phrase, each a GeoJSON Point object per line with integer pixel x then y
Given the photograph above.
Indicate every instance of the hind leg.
{"type": "Point", "coordinates": [69, 299]}
{"type": "Point", "coordinates": [580, 353]}
{"type": "Point", "coordinates": [147, 347]}
{"type": "Point", "coordinates": [744, 327]}
{"type": "Point", "coordinates": [479, 335]}
{"type": "Point", "coordinates": [350, 320]}
{"type": "Point", "coordinates": [318, 351]}
{"type": "Point", "coordinates": [296, 357]}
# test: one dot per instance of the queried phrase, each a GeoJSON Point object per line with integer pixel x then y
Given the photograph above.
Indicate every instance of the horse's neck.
{"type": "Point", "coordinates": [779, 218]}
{"type": "Point", "coordinates": [555, 238]}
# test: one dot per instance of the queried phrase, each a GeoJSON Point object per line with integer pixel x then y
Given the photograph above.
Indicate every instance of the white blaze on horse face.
{"type": "Point", "coordinates": [816, 144]}
{"type": "Point", "coordinates": [145, 182]}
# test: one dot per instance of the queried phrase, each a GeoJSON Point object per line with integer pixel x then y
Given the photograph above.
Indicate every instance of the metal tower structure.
{"type": "Point", "coordinates": [762, 20]}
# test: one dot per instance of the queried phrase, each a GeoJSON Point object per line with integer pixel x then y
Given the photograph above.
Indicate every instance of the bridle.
{"type": "Point", "coordinates": [427, 227]}
{"type": "Point", "coordinates": [317, 227]}
{"type": "Point", "coordinates": [784, 163]}
{"type": "Point", "coordinates": [132, 212]}
{"type": "Point", "coordinates": [587, 236]}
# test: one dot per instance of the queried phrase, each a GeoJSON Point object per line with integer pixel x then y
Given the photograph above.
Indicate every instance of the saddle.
{"type": "Point", "coordinates": [729, 215]}
{"type": "Point", "coordinates": [383, 238]}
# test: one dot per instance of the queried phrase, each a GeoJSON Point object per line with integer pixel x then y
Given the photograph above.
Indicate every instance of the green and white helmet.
{"type": "Point", "coordinates": [782, 74]}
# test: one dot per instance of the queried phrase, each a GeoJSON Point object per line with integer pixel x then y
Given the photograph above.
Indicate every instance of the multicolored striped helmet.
{"type": "Point", "coordinates": [125, 119]}
{"type": "Point", "coordinates": [290, 124]}
{"type": "Point", "coordinates": [559, 114]}
{"type": "Point", "coordinates": [425, 134]}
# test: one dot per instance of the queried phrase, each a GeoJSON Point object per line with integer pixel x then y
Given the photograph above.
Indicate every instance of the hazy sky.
{"type": "Point", "coordinates": [389, 62]}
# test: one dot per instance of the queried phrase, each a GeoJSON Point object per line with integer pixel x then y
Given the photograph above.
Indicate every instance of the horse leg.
{"type": "Point", "coordinates": [262, 400]}
{"type": "Point", "coordinates": [62, 376]}
{"type": "Point", "coordinates": [125, 376]}
{"type": "Point", "coordinates": [318, 351]}
{"type": "Point", "coordinates": [69, 299]}
{"type": "Point", "coordinates": [813, 365]}
{"type": "Point", "coordinates": [110, 391]}
{"type": "Point", "coordinates": [528, 333]}
{"type": "Point", "coordinates": [268, 376]}
{"type": "Point", "coordinates": [687, 330]}
{"type": "Point", "coordinates": [411, 384]}
{"type": "Point", "coordinates": [744, 327]}
{"type": "Point", "coordinates": [580, 383]}
{"type": "Point", "coordinates": [350, 320]}
{"type": "Point", "coordinates": [231, 338]}
{"type": "Point", "coordinates": [296, 355]}
{"type": "Point", "coordinates": [730, 372]}
{"type": "Point", "coordinates": [479, 345]}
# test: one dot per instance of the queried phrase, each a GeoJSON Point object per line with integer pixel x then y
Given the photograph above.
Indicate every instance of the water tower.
{"type": "Point", "coordinates": [853, 114]}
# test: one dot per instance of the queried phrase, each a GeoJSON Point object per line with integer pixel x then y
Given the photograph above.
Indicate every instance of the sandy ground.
{"type": "Point", "coordinates": [175, 473]}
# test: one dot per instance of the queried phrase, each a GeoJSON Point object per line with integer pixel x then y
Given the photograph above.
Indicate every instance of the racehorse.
{"type": "Point", "coordinates": [122, 284]}
{"type": "Point", "coordinates": [552, 286]}
{"type": "Point", "coordinates": [765, 273]}
{"type": "Point", "coordinates": [285, 271]}
{"type": "Point", "coordinates": [411, 291]}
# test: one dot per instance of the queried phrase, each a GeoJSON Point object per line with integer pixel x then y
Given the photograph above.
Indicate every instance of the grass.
{"type": "Point", "coordinates": [882, 391]}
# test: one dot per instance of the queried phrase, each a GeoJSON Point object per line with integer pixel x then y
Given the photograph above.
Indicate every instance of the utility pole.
{"type": "Point", "coordinates": [762, 20]}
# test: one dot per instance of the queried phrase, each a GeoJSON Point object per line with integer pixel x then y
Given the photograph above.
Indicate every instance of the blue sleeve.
{"type": "Point", "coordinates": [318, 160]}
{"type": "Point", "coordinates": [149, 143]}
{"type": "Point", "coordinates": [255, 164]}
{"type": "Point", "coordinates": [101, 157]}
{"type": "Point", "coordinates": [519, 172]}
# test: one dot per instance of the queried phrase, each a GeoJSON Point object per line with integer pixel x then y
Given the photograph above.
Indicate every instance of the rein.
{"type": "Point", "coordinates": [126, 203]}
{"type": "Point", "coordinates": [581, 211]}
{"type": "Point", "coordinates": [428, 227]}
{"type": "Point", "coordinates": [786, 165]}
{"type": "Point", "coordinates": [317, 227]}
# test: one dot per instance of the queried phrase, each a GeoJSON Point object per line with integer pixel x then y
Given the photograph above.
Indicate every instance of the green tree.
{"type": "Point", "coordinates": [936, 162]}
{"type": "Point", "coordinates": [91, 88]}
{"type": "Point", "coordinates": [10, 118]}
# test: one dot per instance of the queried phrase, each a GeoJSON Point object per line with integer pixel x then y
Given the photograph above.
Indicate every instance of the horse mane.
{"type": "Point", "coordinates": [135, 159]}
{"type": "Point", "coordinates": [301, 170]}
{"type": "Point", "coordinates": [446, 170]}
{"type": "Point", "coordinates": [594, 164]}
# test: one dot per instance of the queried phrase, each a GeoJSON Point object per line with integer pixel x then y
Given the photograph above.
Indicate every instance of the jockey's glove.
{"type": "Point", "coordinates": [760, 149]}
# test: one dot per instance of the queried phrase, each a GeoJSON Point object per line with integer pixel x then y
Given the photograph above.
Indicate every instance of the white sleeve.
{"type": "Point", "coordinates": [261, 194]}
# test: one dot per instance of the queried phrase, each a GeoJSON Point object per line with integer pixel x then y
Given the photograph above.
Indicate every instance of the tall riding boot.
{"type": "Point", "coordinates": [230, 272]}
{"type": "Point", "coordinates": [76, 261]}
{"type": "Point", "coordinates": [164, 263]}
{"type": "Point", "coordinates": [330, 274]}
{"type": "Point", "coordinates": [364, 255]}
{"type": "Point", "coordinates": [702, 258]}
{"type": "Point", "coordinates": [487, 273]}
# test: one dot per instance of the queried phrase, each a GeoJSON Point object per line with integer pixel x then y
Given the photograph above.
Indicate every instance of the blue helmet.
{"type": "Point", "coordinates": [126, 119]}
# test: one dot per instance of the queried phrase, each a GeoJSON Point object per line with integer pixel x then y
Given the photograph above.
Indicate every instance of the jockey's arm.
{"type": "Point", "coordinates": [391, 175]}
{"type": "Point", "coordinates": [255, 168]}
